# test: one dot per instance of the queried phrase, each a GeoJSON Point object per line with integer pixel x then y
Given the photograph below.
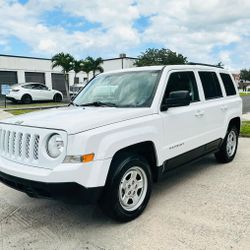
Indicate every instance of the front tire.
{"type": "Point", "coordinates": [128, 188]}
{"type": "Point", "coordinates": [229, 147]}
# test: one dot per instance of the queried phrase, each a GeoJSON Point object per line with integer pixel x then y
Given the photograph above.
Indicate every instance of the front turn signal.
{"type": "Point", "coordinates": [88, 157]}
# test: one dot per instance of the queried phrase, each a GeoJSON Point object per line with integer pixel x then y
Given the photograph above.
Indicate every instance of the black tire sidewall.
{"type": "Point", "coordinates": [57, 98]}
{"type": "Point", "coordinates": [222, 155]}
{"type": "Point", "coordinates": [24, 99]}
{"type": "Point", "coordinates": [112, 203]}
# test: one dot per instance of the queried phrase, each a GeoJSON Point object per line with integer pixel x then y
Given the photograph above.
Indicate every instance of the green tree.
{"type": "Point", "coordinates": [66, 62]}
{"type": "Point", "coordinates": [159, 57]}
{"type": "Point", "coordinates": [86, 67]}
{"type": "Point", "coordinates": [77, 67]}
{"type": "Point", "coordinates": [245, 75]}
{"type": "Point", "coordinates": [95, 64]}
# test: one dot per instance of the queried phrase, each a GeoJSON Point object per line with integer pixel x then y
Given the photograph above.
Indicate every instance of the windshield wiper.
{"type": "Point", "coordinates": [74, 104]}
{"type": "Point", "coordinates": [99, 104]}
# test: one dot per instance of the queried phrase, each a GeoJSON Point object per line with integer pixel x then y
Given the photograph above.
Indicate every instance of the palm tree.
{"type": "Point", "coordinates": [95, 64]}
{"type": "Point", "coordinates": [86, 67]}
{"type": "Point", "coordinates": [66, 62]}
{"type": "Point", "coordinates": [77, 67]}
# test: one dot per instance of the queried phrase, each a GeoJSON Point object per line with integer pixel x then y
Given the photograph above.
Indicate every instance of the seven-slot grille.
{"type": "Point", "coordinates": [19, 146]}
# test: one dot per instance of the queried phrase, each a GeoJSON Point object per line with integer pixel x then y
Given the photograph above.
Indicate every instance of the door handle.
{"type": "Point", "coordinates": [199, 113]}
{"type": "Point", "coordinates": [224, 108]}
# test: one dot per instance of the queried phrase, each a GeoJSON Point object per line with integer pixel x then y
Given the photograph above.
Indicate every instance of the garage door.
{"type": "Point", "coordinates": [35, 77]}
{"type": "Point", "coordinates": [7, 77]}
{"type": "Point", "coordinates": [58, 82]}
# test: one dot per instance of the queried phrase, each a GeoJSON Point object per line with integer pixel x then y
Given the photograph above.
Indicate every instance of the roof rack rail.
{"type": "Point", "coordinates": [204, 64]}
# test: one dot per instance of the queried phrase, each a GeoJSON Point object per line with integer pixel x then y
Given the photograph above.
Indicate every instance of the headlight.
{"type": "Point", "coordinates": [55, 145]}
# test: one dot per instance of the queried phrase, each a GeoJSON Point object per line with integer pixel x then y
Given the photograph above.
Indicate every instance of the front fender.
{"type": "Point", "coordinates": [104, 142]}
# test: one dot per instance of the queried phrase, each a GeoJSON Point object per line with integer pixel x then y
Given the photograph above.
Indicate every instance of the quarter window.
{"type": "Point", "coordinates": [228, 84]}
{"type": "Point", "coordinates": [211, 85]}
{"type": "Point", "coordinates": [183, 81]}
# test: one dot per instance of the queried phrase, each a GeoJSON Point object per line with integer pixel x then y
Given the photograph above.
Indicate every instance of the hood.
{"type": "Point", "coordinates": [77, 119]}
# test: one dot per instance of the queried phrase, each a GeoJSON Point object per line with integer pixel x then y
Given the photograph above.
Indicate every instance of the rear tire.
{"type": "Point", "coordinates": [26, 99]}
{"type": "Point", "coordinates": [128, 188]}
{"type": "Point", "coordinates": [57, 98]}
{"type": "Point", "coordinates": [229, 146]}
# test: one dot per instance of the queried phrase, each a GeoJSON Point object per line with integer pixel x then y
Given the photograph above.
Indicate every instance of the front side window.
{"type": "Point", "coordinates": [228, 84]}
{"type": "Point", "coordinates": [183, 81]}
{"type": "Point", "coordinates": [126, 89]}
{"type": "Point", "coordinates": [210, 84]}
{"type": "Point", "coordinates": [43, 87]}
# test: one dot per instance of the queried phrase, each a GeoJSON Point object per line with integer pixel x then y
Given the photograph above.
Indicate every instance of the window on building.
{"type": "Point", "coordinates": [228, 84]}
{"type": "Point", "coordinates": [183, 81]}
{"type": "Point", "coordinates": [211, 85]}
{"type": "Point", "coordinates": [76, 80]}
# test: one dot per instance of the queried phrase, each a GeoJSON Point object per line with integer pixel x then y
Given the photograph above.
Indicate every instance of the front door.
{"type": "Point", "coordinates": [183, 126]}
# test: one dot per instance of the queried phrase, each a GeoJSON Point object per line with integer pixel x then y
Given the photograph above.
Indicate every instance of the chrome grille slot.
{"type": "Point", "coordinates": [36, 147]}
{"type": "Point", "coordinates": [20, 144]}
{"type": "Point", "coordinates": [14, 143]}
{"type": "Point", "coordinates": [8, 142]}
{"type": "Point", "coordinates": [27, 146]}
{"type": "Point", "coordinates": [3, 140]}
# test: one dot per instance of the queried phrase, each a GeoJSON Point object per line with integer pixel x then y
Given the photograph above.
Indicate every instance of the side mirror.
{"type": "Point", "coordinates": [176, 99]}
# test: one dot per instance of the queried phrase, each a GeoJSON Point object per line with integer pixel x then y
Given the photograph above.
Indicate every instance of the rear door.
{"type": "Point", "coordinates": [232, 105]}
{"type": "Point", "coordinates": [35, 91]}
{"type": "Point", "coordinates": [212, 107]}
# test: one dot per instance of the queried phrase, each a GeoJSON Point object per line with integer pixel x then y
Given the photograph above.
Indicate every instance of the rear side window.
{"type": "Point", "coordinates": [211, 85]}
{"type": "Point", "coordinates": [228, 84]}
{"type": "Point", "coordinates": [183, 81]}
{"type": "Point", "coordinates": [28, 86]}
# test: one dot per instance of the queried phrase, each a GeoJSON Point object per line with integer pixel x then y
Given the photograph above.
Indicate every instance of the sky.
{"type": "Point", "coordinates": [209, 31]}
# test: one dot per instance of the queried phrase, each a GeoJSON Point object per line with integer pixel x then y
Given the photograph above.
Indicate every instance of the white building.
{"type": "Point", "coordinates": [19, 69]}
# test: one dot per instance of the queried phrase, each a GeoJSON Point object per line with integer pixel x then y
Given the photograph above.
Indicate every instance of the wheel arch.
{"type": "Point", "coordinates": [26, 94]}
{"type": "Point", "coordinates": [145, 149]}
{"type": "Point", "coordinates": [236, 121]}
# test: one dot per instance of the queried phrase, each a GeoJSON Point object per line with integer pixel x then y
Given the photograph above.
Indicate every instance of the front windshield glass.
{"type": "Point", "coordinates": [126, 89]}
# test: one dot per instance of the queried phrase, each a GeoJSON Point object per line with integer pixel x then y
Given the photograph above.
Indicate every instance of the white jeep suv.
{"type": "Point", "coordinates": [28, 92]}
{"type": "Point", "coordinates": [125, 130]}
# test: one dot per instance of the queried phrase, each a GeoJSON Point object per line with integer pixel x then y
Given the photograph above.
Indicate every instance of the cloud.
{"type": "Point", "coordinates": [210, 31]}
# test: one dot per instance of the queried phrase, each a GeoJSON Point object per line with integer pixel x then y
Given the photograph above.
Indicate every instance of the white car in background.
{"type": "Point", "coordinates": [28, 92]}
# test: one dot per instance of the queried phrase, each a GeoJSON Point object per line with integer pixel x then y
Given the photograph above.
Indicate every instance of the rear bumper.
{"type": "Point", "coordinates": [68, 191]}
{"type": "Point", "coordinates": [12, 96]}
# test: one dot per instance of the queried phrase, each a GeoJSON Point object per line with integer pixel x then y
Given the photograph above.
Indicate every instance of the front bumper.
{"type": "Point", "coordinates": [70, 192]}
{"type": "Point", "coordinates": [88, 175]}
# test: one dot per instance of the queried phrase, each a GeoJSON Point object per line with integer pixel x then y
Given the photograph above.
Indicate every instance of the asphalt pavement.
{"type": "Point", "coordinates": [203, 206]}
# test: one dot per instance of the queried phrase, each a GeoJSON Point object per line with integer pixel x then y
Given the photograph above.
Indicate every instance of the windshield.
{"type": "Point", "coordinates": [126, 89]}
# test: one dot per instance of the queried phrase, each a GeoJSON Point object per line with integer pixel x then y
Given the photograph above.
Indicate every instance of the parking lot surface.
{"type": "Point", "coordinates": [203, 206]}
